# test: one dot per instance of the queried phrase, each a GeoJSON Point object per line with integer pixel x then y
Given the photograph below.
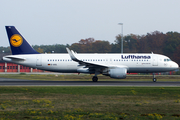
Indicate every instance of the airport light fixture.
{"type": "Point", "coordinates": [121, 37]}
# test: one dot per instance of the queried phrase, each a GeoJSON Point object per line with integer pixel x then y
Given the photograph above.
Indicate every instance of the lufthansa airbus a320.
{"type": "Point", "coordinates": [113, 65]}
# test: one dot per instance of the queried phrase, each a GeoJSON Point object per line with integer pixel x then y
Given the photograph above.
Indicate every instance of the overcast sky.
{"type": "Point", "coordinates": [47, 22]}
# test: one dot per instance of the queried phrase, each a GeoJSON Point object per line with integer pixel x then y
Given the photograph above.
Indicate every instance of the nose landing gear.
{"type": "Point", "coordinates": [154, 79]}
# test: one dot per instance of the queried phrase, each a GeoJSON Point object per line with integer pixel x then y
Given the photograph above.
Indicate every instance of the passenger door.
{"type": "Point", "coordinates": [155, 61]}
{"type": "Point", "coordinates": [39, 60]}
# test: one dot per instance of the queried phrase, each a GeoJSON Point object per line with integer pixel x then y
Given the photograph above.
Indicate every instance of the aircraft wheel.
{"type": "Point", "coordinates": [154, 79]}
{"type": "Point", "coordinates": [95, 79]}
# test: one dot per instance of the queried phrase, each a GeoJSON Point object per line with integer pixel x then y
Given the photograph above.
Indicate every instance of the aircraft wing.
{"type": "Point", "coordinates": [88, 64]}
{"type": "Point", "coordinates": [84, 63]}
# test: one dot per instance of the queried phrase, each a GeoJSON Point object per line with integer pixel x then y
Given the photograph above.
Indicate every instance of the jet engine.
{"type": "Point", "coordinates": [118, 73]}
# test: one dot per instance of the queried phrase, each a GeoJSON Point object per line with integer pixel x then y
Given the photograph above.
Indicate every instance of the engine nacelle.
{"type": "Point", "coordinates": [83, 70]}
{"type": "Point", "coordinates": [118, 73]}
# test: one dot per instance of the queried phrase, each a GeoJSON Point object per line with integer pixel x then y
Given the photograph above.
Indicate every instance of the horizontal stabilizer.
{"type": "Point", "coordinates": [14, 58]}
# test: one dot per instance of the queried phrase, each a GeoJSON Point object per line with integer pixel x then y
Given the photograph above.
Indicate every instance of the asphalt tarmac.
{"type": "Point", "coordinates": [18, 82]}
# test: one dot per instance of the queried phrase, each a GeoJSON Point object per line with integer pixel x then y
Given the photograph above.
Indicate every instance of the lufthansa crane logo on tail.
{"type": "Point", "coordinates": [16, 40]}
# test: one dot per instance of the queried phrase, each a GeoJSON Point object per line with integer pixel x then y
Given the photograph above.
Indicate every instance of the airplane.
{"type": "Point", "coordinates": [112, 65]}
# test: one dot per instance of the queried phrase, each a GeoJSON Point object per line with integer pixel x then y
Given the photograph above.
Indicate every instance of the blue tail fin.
{"type": "Point", "coordinates": [17, 42]}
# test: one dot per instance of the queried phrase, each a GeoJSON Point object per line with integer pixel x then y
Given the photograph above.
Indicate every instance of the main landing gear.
{"type": "Point", "coordinates": [95, 79]}
{"type": "Point", "coordinates": [154, 79]}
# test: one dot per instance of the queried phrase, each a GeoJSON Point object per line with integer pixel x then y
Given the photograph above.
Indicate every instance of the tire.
{"type": "Point", "coordinates": [95, 79]}
{"type": "Point", "coordinates": [154, 79]}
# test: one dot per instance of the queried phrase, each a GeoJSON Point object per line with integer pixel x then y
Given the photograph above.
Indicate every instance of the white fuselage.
{"type": "Point", "coordinates": [135, 63]}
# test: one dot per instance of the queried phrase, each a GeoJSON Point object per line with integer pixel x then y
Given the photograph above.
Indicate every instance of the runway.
{"type": "Point", "coordinates": [18, 82]}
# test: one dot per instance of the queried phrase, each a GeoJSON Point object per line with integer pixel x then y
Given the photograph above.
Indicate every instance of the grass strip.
{"type": "Point", "coordinates": [75, 103]}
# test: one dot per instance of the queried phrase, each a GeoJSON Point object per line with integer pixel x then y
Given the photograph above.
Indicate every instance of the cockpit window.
{"type": "Point", "coordinates": [167, 60]}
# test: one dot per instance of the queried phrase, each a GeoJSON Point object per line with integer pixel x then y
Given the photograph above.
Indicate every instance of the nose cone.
{"type": "Point", "coordinates": [175, 65]}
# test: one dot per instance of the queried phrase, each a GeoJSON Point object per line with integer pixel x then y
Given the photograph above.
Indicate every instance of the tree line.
{"type": "Point", "coordinates": [157, 42]}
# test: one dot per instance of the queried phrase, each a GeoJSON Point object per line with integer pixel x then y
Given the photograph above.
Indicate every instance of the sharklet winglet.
{"type": "Point", "coordinates": [71, 54]}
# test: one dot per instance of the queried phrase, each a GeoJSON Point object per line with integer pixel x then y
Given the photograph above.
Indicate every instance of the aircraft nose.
{"type": "Point", "coordinates": [175, 65]}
